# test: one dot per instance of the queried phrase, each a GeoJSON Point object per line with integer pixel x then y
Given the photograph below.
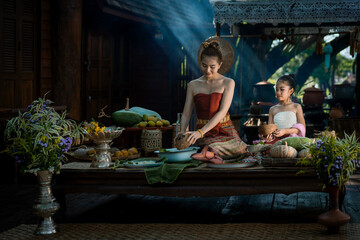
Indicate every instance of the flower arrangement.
{"type": "Point", "coordinates": [39, 137]}
{"type": "Point", "coordinates": [333, 159]}
{"type": "Point", "coordinates": [94, 127]}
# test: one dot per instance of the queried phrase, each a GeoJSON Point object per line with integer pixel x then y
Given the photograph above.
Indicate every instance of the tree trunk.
{"type": "Point", "coordinates": [276, 57]}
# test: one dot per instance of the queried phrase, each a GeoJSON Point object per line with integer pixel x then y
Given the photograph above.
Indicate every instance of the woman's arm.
{"type": "Point", "coordinates": [188, 107]}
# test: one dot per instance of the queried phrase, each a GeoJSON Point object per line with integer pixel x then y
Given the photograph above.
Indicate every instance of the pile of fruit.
{"type": "Point", "coordinates": [138, 117]}
{"type": "Point", "coordinates": [126, 153]}
{"type": "Point", "coordinates": [152, 121]}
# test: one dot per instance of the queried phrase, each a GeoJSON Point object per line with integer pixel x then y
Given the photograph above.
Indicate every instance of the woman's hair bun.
{"type": "Point", "coordinates": [214, 44]}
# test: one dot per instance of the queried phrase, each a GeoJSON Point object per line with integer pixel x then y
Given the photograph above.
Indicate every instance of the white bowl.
{"type": "Point", "coordinates": [175, 155]}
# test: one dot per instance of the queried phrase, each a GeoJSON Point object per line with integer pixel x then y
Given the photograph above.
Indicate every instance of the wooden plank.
{"type": "Point", "coordinates": [352, 203]}
{"type": "Point", "coordinates": [249, 208]}
{"type": "Point", "coordinates": [79, 203]}
{"type": "Point", "coordinates": [310, 205]}
{"type": "Point", "coordinates": [284, 207]}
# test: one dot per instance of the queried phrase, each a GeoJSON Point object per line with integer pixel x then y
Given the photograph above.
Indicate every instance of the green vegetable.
{"type": "Point", "coordinates": [126, 117]}
{"type": "Point", "coordinates": [163, 150]}
{"type": "Point", "coordinates": [298, 143]}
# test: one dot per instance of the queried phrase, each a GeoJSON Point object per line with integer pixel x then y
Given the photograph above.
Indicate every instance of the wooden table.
{"type": "Point", "coordinates": [199, 181]}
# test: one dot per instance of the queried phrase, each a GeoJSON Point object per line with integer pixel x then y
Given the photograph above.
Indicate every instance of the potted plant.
{"type": "Point", "coordinates": [334, 161]}
{"type": "Point", "coordinates": [38, 139]}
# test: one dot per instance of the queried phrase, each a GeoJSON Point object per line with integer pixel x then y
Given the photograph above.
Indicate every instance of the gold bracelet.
{"type": "Point", "coordinates": [201, 132]}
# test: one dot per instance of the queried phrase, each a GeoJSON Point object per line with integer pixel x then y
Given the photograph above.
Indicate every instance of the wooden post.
{"type": "Point", "coordinates": [357, 86]}
{"type": "Point", "coordinates": [67, 55]}
{"type": "Point", "coordinates": [218, 28]}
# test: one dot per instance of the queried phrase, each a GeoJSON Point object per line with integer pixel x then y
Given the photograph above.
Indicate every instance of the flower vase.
{"type": "Point", "coordinates": [334, 218]}
{"type": "Point", "coordinates": [103, 141]}
{"type": "Point", "coordinates": [45, 205]}
{"type": "Point", "coordinates": [103, 154]}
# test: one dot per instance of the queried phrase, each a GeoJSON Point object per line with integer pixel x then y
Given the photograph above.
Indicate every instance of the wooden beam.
{"type": "Point", "coordinates": [67, 56]}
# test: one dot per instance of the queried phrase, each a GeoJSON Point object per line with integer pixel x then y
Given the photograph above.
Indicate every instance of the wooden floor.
{"type": "Point", "coordinates": [17, 200]}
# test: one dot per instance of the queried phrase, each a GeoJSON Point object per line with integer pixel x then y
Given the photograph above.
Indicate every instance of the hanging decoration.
{"type": "Point", "coordinates": [327, 50]}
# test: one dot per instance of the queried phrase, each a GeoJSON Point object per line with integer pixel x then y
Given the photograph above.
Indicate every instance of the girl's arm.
{"type": "Point", "coordinates": [188, 107]}
{"type": "Point", "coordinates": [300, 115]}
{"type": "Point", "coordinates": [271, 116]}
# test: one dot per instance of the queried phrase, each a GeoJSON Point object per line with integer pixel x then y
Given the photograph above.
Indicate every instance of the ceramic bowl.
{"type": "Point", "coordinates": [175, 155]}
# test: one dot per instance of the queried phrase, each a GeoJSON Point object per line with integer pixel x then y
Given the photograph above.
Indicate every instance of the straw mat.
{"type": "Point", "coordinates": [306, 231]}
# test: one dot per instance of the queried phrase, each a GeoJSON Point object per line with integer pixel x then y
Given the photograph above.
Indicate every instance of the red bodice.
{"type": "Point", "coordinates": [207, 105]}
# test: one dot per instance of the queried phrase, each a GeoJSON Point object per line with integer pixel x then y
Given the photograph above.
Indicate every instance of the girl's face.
{"type": "Point", "coordinates": [210, 66]}
{"type": "Point", "coordinates": [283, 91]}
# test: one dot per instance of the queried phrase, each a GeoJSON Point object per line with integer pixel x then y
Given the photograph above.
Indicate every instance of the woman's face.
{"type": "Point", "coordinates": [283, 91]}
{"type": "Point", "coordinates": [210, 66]}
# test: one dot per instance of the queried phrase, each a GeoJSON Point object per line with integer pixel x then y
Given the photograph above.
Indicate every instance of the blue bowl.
{"type": "Point", "coordinates": [174, 155]}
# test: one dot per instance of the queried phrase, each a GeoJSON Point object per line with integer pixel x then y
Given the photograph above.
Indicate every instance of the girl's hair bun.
{"type": "Point", "coordinates": [288, 79]}
{"type": "Point", "coordinates": [293, 77]}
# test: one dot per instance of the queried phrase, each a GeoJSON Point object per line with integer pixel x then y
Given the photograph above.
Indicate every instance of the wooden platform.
{"type": "Point", "coordinates": [17, 201]}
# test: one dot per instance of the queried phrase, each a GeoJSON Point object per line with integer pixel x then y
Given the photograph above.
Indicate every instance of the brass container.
{"type": "Point", "coordinates": [45, 205]}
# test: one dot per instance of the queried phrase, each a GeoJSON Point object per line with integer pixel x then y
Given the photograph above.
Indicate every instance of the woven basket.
{"type": "Point", "coordinates": [151, 140]}
{"type": "Point", "coordinates": [280, 162]}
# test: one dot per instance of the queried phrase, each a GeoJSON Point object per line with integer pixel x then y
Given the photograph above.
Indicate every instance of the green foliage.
{"type": "Point", "coordinates": [334, 159]}
{"type": "Point", "coordinates": [343, 66]}
{"type": "Point", "coordinates": [39, 137]}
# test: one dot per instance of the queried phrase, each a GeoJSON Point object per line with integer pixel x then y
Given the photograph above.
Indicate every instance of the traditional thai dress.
{"type": "Point", "coordinates": [223, 139]}
{"type": "Point", "coordinates": [288, 119]}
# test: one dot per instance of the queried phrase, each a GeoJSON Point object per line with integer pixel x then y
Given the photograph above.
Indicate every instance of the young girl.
{"type": "Point", "coordinates": [287, 115]}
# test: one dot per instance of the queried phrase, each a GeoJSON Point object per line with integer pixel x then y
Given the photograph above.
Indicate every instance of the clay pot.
{"type": "Point", "coordinates": [264, 92]}
{"type": "Point", "coordinates": [334, 218]}
{"type": "Point", "coordinates": [313, 96]}
{"type": "Point", "coordinates": [336, 113]}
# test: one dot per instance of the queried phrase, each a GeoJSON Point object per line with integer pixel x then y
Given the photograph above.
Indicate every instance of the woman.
{"type": "Point", "coordinates": [212, 95]}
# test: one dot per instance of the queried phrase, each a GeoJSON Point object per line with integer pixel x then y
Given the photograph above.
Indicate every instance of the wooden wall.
{"type": "Point", "coordinates": [45, 76]}
{"type": "Point", "coordinates": [150, 73]}
{"type": "Point", "coordinates": [18, 52]}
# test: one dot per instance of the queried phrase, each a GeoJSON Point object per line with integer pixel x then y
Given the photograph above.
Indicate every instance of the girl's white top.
{"type": "Point", "coordinates": [285, 119]}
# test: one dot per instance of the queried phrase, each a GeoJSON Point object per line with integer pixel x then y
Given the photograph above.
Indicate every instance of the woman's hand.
{"type": "Point", "coordinates": [280, 132]}
{"type": "Point", "coordinates": [193, 136]}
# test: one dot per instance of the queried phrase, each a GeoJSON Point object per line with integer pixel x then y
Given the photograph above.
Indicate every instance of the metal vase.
{"type": "Point", "coordinates": [103, 154]}
{"type": "Point", "coordinates": [45, 205]}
